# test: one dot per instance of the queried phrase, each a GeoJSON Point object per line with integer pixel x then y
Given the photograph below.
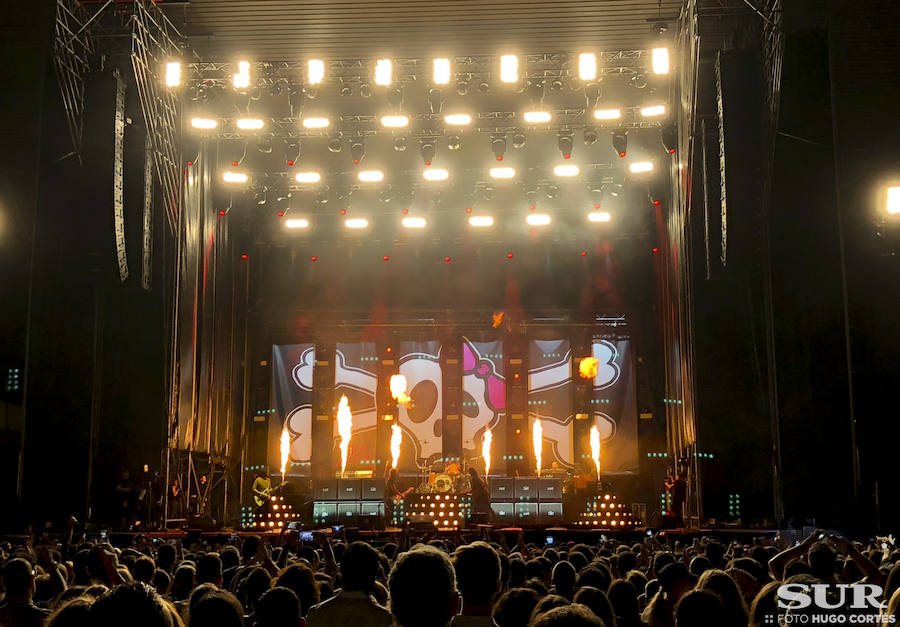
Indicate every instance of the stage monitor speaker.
{"type": "Point", "coordinates": [372, 489]}
{"type": "Point", "coordinates": [348, 489]}
{"type": "Point", "coordinates": [526, 489]}
{"type": "Point", "coordinates": [527, 512]}
{"type": "Point", "coordinates": [324, 513]}
{"type": "Point", "coordinates": [371, 509]}
{"type": "Point", "coordinates": [503, 512]}
{"type": "Point", "coordinates": [550, 512]}
{"type": "Point", "coordinates": [325, 490]}
{"type": "Point", "coordinates": [502, 489]}
{"type": "Point", "coordinates": [347, 511]}
{"type": "Point", "coordinates": [550, 489]}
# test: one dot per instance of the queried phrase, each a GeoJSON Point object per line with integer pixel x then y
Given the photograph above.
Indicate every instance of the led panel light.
{"type": "Point", "coordinates": [203, 123]}
{"type": "Point", "coordinates": [502, 173]}
{"type": "Point", "coordinates": [435, 174]}
{"type": "Point", "coordinates": [441, 73]}
{"type": "Point", "coordinates": [173, 74]}
{"type": "Point", "coordinates": [315, 122]}
{"type": "Point", "coordinates": [315, 71]}
{"type": "Point", "coordinates": [296, 223]}
{"type": "Point", "coordinates": [653, 111]}
{"type": "Point", "coordinates": [599, 216]}
{"type": "Point", "coordinates": [893, 200]}
{"type": "Point", "coordinates": [509, 68]}
{"type": "Point", "coordinates": [607, 114]}
{"type": "Point", "coordinates": [587, 66]}
{"type": "Point", "coordinates": [234, 177]}
{"type": "Point", "coordinates": [394, 121]}
{"type": "Point", "coordinates": [308, 177]}
{"type": "Point", "coordinates": [249, 124]}
{"type": "Point", "coordinates": [383, 72]}
{"type": "Point", "coordinates": [370, 176]}
{"type": "Point", "coordinates": [640, 167]}
{"type": "Point", "coordinates": [241, 80]}
{"type": "Point", "coordinates": [538, 219]}
{"type": "Point", "coordinates": [458, 119]}
{"type": "Point", "coordinates": [413, 223]}
{"type": "Point", "coordinates": [481, 221]}
{"type": "Point", "coordinates": [659, 58]}
{"type": "Point", "coordinates": [356, 223]}
{"type": "Point", "coordinates": [537, 117]}
{"type": "Point", "coordinates": [566, 170]}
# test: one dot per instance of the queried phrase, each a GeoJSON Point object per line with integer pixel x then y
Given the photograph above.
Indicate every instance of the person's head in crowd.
{"type": "Point", "coordinates": [675, 581]}
{"type": "Point", "coordinates": [578, 560]}
{"type": "Point", "coordinates": [573, 615]}
{"type": "Point", "coordinates": [75, 612]}
{"type": "Point", "coordinates": [309, 554]}
{"type": "Point", "coordinates": [660, 560]}
{"type": "Point", "coordinates": [595, 575]}
{"type": "Point", "coordinates": [18, 579]}
{"type": "Point", "coordinates": [143, 569]}
{"type": "Point", "coordinates": [850, 572]}
{"type": "Point", "coordinates": [504, 568]}
{"type": "Point", "coordinates": [380, 594]}
{"type": "Point", "coordinates": [209, 569]}
{"type": "Point", "coordinates": [515, 606]}
{"type": "Point", "coordinates": [477, 568]}
{"type": "Point", "coordinates": [249, 548]}
{"type": "Point", "coordinates": [597, 601]}
{"type": "Point", "coordinates": [254, 585]}
{"type": "Point", "coordinates": [518, 572]}
{"type": "Point", "coordinates": [546, 604]}
{"type": "Point", "coordinates": [230, 556]}
{"type": "Point", "coordinates": [715, 553]}
{"type": "Point", "coordinates": [538, 586]}
{"type": "Point", "coordinates": [300, 580]}
{"type": "Point", "coordinates": [217, 608]}
{"type": "Point", "coordinates": [423, 591]}
{"type": "Point", "coordinates": [624, 600]}
{"type": "Point", "coordinates": [751, 566]}
{"type": "Point", "coordinates": [764, 608]}
{"type": "Point", "coordinates": [183, 582]}
{"type": "Point", "coordinates": [165, 557]}
{"type": "Point", "coordinates": [719, 583]}
{"type": "Point", "coordinates": [161, 581]}
{"type": "Point", "coordinates": [822, 561]}
{"type": "Point", "coordinates": [700, 608]}
{"type": "Point", "coordinates": [563, 579]}
{"type": "Point", "coordinates": [534, 569]}
{"type": "Point", "coordinates": [748, 585]}
{"type": "Point", "coordinates": [627, 562]}
{"type": "Point", "coordinates": [278, 607]}
{"type": "Point", "coordinates": [699, 565]}
{"type": "Point", "coordinates": [359, 567]}
{"type": "Point", "coordinates": [133, 604]}
{"type": "Point", "coordinates": [797, 567]}
{"type": "Point", "coordinates": [637, 579]}
{"type": "Point", "coordinates": [551, 554]}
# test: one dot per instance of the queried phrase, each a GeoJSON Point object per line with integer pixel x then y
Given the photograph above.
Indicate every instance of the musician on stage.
{"type": "Point", "coordinates": [677, 489]}
{"type": "Point", "coordinates": [392, 492]}
{"type": "Point", "coordinates": [262, 488]}
{"type": "Point", "coordinates": [481, 497]}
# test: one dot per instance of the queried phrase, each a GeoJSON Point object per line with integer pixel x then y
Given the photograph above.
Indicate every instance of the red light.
{"type": "Point", "coordinates": [343, 212]}
{"type": "Point", "coordinates": [656, 202]}
{"type": "Point", "coordinates": [509, 255]}
{"type": "Point", "coordinates": [313, 258]}
{"type": "Point", "coordinates": [190, 163]}
{"type": "Point", "coordinates": [447, 259]}
{"type": "Point", "coordinates": [499, 157]}
{"type": "Point", "coordinates": [518, 432]}
{"type": "Point", "coordinates": [531, 208]}
{"type": "Point", "coordinates": [671, 151]}
{"type": "Point", "coordinates": [405, 211]}
{"type": "Point", "coordinates": [584, 253]}
{"type": "Point", "coordinates": [290, 162]}
{"type": "Point", "coordinates": [468, 209]}
{"type": "Point", "coordinates": [655, 249]}
{"type": "Point", "coordinates": [356, 162]}
{"type": "Point", "coordinates": [245, 256]}
{"type": "Point", "coordinates": [516, 376]}
{"type": "Point", "coordinates": [281, 214]}
{"type": "Point", "coordinates": [386, 258]}
{"type": "Point", "coordinates": [622, 154]}
{"type": "Point", "coordinates": [221, 212]}
{"type": "Point", "coordinates": [428, 163]}
{"type": "Point", "coordinates": [596, 205]}
{"type": "Point", "coordinates": [566, 155]}
{"type": "Point", "coordinates": [234, 164]}
{"type": "Point", "coordinates": [389, 349]}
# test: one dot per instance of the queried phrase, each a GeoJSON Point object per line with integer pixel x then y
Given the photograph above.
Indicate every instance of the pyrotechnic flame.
{"type": "Point", "coordinates": [285, 449]}
{"type": "Point", "coordinates": [537, 439]}
{"type": "Point", "coordinates": [396, 438]}
{"type": "Point", "coordinates": [398, 390]}
{"type": "Point", "coordinates": [588, 367]}
{"type": "Point", "coordinates": [498, 319]}
{"type": "Point", "coordinates": [486, 451]}
{"type": "Point", "coordinates": [345, 430]}
{"type": "Point", "coordinates": [595, 449]}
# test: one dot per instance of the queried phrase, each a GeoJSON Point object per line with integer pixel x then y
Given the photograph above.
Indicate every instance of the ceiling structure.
{"type": "Point", "coordinates": [288, 29]}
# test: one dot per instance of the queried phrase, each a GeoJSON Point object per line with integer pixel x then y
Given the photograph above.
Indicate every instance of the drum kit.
{"type": "Point", "coordinates": [446, 480]}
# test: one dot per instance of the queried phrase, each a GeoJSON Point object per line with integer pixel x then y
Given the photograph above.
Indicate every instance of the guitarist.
{"type": "Point", "coordinates": [392, 492]}
{"type": "Point", "coordinates": [262, 489]}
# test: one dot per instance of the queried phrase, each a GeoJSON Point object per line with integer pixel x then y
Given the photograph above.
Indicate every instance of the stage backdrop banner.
{"type": "Point", "coordinates": [292, 380]}
{"type": "Point", "coordinates": [484, 399]}
{"type": "Point", "coordinates": [550, 399]}
{"type": "Point", "coordinates": [356, 377]}
{"type": "Point", "coordinates": [423, 421]}
{"type": "Point", "coordinates": [614, 409]}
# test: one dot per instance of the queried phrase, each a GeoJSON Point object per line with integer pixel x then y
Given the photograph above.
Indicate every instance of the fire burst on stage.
{"type": "Point", "coordinates": [537, 439]}
{"type": "Point", "coordinates": [398, 390]}
{"type": "Point", "coordinates": [587, 368]}
{"type": "Point", "coordinates": [345, 429]}
{"type": "Point", "coordinates": [285, 449]}
{"type": "Point", "coordinates": [486, 451]}
{"type": "Point", "coordinates": [396, 438]}
{"type": "Point", "coordinates": [595, 449]}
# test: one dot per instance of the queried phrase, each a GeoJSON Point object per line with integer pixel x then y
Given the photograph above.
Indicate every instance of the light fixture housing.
{"type": "Point", "coordinates": [250, 124]}
{"type": "Point", "coordinates": [599, 216]}
{"type": "Point", "coordinates": [296, 223]}
{"type": "Point", "coordinates": [234, 177]}
{"type": "Point", "coordinates": [458, 119]}
{"type": "Point", "coordinates": [653, 111]}
{"type": "Point", "coordinates": [414, 222]}
{"type": "Point", "coordinates": [204, 124]}
{"type": "Point", "coordinates": [435, 174]}
{"type": "Point", "coordinates": [566, 170]}
{"type": "Point", "coordinates": [587, 66]}
{"type": "Point", "coordinates": [509, 68]}
{"type": "Point", "coordinates": [356, 223]}
{"type": "Point", "coordinates": [659, 58]}
{"type": "Point", "coordinates": [537, 117]}
{"type": "Point", "coordinates": [370, 176]}
{"type": "Point", "coordinates": [308, 177]}
{"type": "Point", "coordinates": [394, 121]}
{"type": "Point", "coordinates": [481, 221]}
{"type": "Point", "coordinates": [537, 219]}
{"type": "Point", "coordinates": [315, 71]}
{"type": "Point", "coordinates": [502, 173]}
{"type": "Point", "coordinates": [315, 122]}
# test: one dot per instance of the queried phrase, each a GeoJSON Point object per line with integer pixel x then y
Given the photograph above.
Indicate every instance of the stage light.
{"type": "Point", "coordinates": [356, 223]}
{"type": "Point", "coordinates": [607, 114]}
{"type": "Point", "coordinates": [334, 143]}
{"type": "Point", "coordinates": [566, 170]}
{"type": "Point", "coordinates": [173, 74]}
{"type": "Point", "coordinates": [435, 174]}
{"type": "Point", "coordinates": [564, 143]}
{"type": "Point", "coordinates": [383, 72]}
{"type": "Point", "coordinates": [653, 111]}
{"type": "Point", "coordinates": [509, 68]}
{"type": "Point", "coordinates": [250, 124]}
{"type": "Point", "coordinates": [452, 142]}
{"type": "Point", "coordinates": [640, 167]}
{"type": "Point", "coordinates": [292, 152]}
{"type": "Point", "coordinates": [313, 123]}
{"type": "Point", "coordinates": [296, 223]}
{"type": "Point", "coordinates": [587, 66]}
{"type": "Point", "coordinates": [370, 176]}
{"type": "Point", "coordinates": [599, 216]}
{"type": "Point", "coordinates": [502, 173]}
{"type": "Point", "coordinates": [537, 117]}
{"type": "Point", "coordinates": [435, 100]}
{"type": "Point", "coordinates": [394, 121]}
{"type": "Point", "coordinates": [264, 145]}
{"type": "Point", "coordinates": [308, 177]}
{"type": "Point", "coordinates": [537, 219]}
{"type": "Point", "coordinates": [589, 135]}
{"type": "Point", "coordinates": [620, 143]}
{"type": "Point", "coordinates": [203, 123]}
{"type": "Point", "coordinates": [660, 60]}
{"type": "Point", "coordinates": [235, 177]}
{"type": "Point", "coordinates": [315, 71]}
{"type": "Point", "coordinates": [357, 150]}
{"type": "Point", "coordinates": [893, 200]}
{"type": "Point", "coordinates": [427, 151]}
{"type": "Point", "coordinates": [481, 221]}
{"type": "Point", "coordinates": [441, 73]}
{"type": "Point", "coordinates": [458, 119]}
{"type": "Point", "coordinates": [498, 145]}
{"type": "Point", "coordinates": [462, 88]}
{"type": "Point", "coordinates": [518, 139]}
{"type": "Point", "coordinates": [241, 80]}
{"type": "Point", "coordinates": [669, 138]}
{"type": "Point", "coordinates": [413, 223]}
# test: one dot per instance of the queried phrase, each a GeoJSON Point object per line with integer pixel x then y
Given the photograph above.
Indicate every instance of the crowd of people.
{"type": "Point", "coordinates": [486, 579]}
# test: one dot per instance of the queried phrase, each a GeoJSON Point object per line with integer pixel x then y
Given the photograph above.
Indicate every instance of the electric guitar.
{"type": "Point", "coordinates": [402, 495]}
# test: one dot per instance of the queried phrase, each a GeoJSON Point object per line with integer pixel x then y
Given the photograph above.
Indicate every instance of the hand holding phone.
{"type": "Point", "coordinates": [550, 540]}
{"type": "Point", "coordinates": [306, 536]}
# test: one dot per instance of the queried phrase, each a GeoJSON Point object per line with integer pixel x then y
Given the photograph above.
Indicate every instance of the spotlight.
{"type": "Point", "coordinates": [640, 167]}
{"type": "Point", "coordinates": [537, 117]}
{"type": "Point", "coordinates": [639, 81]}
{"type": "Point", "coordinates": [535, 91]}
{"type": "Point", "coordinates": [315, 71]}
{"type": "Point", "coordinates": [669, 138]}
{"type": "Point", "coordinates": [556, 84]}
{"type": "Point", "coordinates": [660, 60]}
{"type": "Point", "coordinates": [435, 100]}
{"type": "Point", "coordinates": [346, 90]}
{"type": "Point", "coordinates": [462, 88]}
{"type": "Point", "coordinates": [234, 177]}
{"type": "Point", "coordinates": [427, 151]}
{"type": "Point", "coordinates": [394, 121]}
{"type": "Point", "coordinates": [173, 74]}
{"type": "Point", "coordinates": [315, 123]}
{"type": "Point", "coordinates": [435, 174]}
{"type": "Point", "coordinates": [264, 145]}
{"type": "Point", "coordinates": [356, 223]}
{"type": "Point", "coordinates": [509, 68]}
{"type": "Point", "coordinates": [653, 111]}
{"type": "Point", "coordinates": [620, 143]}
{"type": "Point", "coordinates": [607, 114]}
{"type": "Point", "coordinates": [250, 124]}
{"type": "Point", "coordinates": [590, 135]}
{"type": "Point", "coordinates": [365, 90]}
{"type": "Point", "coordinates": [587, 66]}
{"type": "Point", "coordinates": [566, 170]}
{"type": "Point", "coordinates": [292, 152]}
{"type": "Point", "coordinates": [599, 216]}
{"type": "Point", "coordinates": [371, 176]}
{"type": "Point", "coordinates": [334, 143]}
{"type": "Point", "coordinates": [564, 143]}
{"type": "Point", "coordinates": [518, 139]}
{"type": "Point", "coordinates": [502, 173]}
{"type": "Point", "coordinates": [537, 219]}
{"type": "Point", "coordinates": [383, 72]}
{"type": "Point", "coordinates": [483, 87]}
{"type": "Point", "coordinates": [357, 150]}
{"type": "Point", "coordinates": [241, 80]}
{"type": "Point", "coordinates": [203, 123]}
{"type": "Point", "coordinates": [400, 143]}
{"type": "Point", "coordinates": [413, 223]}
{"type": "Point", "coordinates": [498, 145]}
{"type": "Point", "coordinates": [453, 142]}
{"type": "Point", "coordinates": [308, 177]}
{"type": "Point", "coordinates": [481, 221]}
{"type": "Point", "coordinates": [592, 93]}
{"type": "Point", "coordinates": [395, 97]}
{"type": "Point", "coordinates": [441, 73]}
{"type": "Point", "coordinates": [296, 223]}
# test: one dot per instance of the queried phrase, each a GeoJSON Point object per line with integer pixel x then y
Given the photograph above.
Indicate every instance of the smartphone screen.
{"type": "Point", "coordinates": [550, 540]}
{"type": "Point", "coordinates": [337, 528]}
{"type": "Point", "coordinates": [306, 536]}
{"type": "Point", "coordinates": [103, 535]}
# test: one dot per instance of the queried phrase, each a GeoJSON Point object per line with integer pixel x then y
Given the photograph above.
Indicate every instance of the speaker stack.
{"type": "Point", "coordinates": [527, 500]}
{"type": "Point", "coordinates": [351, 502]}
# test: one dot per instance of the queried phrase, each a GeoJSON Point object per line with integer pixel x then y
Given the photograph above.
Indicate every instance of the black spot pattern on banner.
{"type": "Point", "coordinates": [438, 427]}
{"type": "Point", "coordinates": [470, 407]}
{"type": "Point", "coordinates": [425, 397]}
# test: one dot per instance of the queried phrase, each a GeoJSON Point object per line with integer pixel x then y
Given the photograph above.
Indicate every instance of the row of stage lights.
{"type": "Point", "coordinates": [476, 221]}
{"type": "Point", "coordinates": [441, 70]}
